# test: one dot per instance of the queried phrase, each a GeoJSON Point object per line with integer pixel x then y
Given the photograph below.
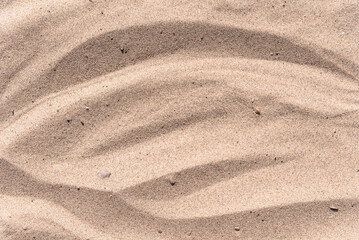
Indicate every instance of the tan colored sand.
{"type": "Point", "coordinates": [215, 119]}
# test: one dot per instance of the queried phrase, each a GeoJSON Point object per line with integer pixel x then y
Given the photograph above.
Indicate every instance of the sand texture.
{"type": "Point", "coordinates": [180, 119]}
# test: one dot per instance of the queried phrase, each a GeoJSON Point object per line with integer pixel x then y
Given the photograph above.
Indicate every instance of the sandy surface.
{"type": "Point", "coordinates": [179, 119]}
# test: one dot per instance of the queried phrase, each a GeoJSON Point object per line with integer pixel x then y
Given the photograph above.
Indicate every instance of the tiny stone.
{"type": "Point", "coordinates": [171, 179]}
{"type": "Point", "coordinates": [87, 108]}
{"type": "Point", "coordinates": [25, 228]}
{"type": "Point", "coordinates": [257, 111]}
{"type": "Point", "coordinates": [334, 209]}
{"type": "Point", "coordinates": [123, 50]}
{"type": "Point", "coordinates": [104, 174]}
{"type": "Point", "coordinates": [172, 182]}
{"type": "Point", "coordinates": [237, 229]}
{"type": "Point", "coordinates": [159, 231]}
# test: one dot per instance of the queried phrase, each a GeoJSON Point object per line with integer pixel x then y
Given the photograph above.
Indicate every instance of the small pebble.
{"type": "Point", "coordinates": [334, 209]}
{"type": "Point", "coordinates": [25, 228]}
{"type": "Point", "coordinates": [87, 108]}
{"type": "Point", "coordinates": [104, 174]}
{"type": "Point", "coordinates": [171, 179]}
{"type": "Point", "coordinates": [160, 231]}
{"type": "Point", "coordinates": [237, 229]}
{"type": "Point", "coordinates": [172, 182]}
{"type": "Point", "coordinates": [257, 111]}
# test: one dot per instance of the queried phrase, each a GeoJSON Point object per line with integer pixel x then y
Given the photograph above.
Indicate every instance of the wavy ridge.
{"type": "Point", "coordinates": [209, 132]}
{"type": "Point", "coordinates": [115, 50]}
{"type": "Point", "coordinates": [109, 212]}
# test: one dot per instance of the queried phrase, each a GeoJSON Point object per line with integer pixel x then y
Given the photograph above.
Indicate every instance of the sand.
{"type": "Point", "coordinates": [179, 119]}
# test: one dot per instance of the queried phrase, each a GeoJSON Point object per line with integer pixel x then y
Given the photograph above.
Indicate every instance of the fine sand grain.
{"type": "Point", "coordinates": [179, 119]}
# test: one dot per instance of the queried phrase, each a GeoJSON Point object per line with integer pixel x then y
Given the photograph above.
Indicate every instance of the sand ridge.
{"type": "Point", "coordinates": [216, 120]}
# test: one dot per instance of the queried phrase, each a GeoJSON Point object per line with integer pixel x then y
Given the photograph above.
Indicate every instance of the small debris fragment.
{"type": "Point", "coordinates": [87, 108]}
{"type": "Point", "coordinates": [123, 50]}
{"type": "Point", "coordinates": [159, 231]}
{"type": "Point", "coordinates": [13, 112]}
{"type": "Point", "coordinates": [82, 123]}
{"type": "Point", "coordinates": [25, 228]}
{"type": "Point", "coordinates": [257, 111]}
{"type": "Point", "coordinates": [68, 120]}
{"type": "Point", "coordinates": [172, 182]}
{"type": "Point", "coordinates": [237, 229]}
{"type": "Point", "coordinates": [104, 174]}
{"type": "Point", "coordinates": [334, 209]}
{"type": "Point", "coordinates": [171, 179]}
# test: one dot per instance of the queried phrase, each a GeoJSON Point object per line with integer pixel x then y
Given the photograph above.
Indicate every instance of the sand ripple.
{"type": "Point", "coordinates": [168, 108]}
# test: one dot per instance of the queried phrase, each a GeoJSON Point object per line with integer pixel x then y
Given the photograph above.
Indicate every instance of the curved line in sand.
{"type": "Point", "coordinates": [95, 207]}
{"type": "Point", "coordinates": [115, 50]}
{"type": "Point", "coordinates": [112, 52]}
{"type": "Point", "coordinates": [128, 78]}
